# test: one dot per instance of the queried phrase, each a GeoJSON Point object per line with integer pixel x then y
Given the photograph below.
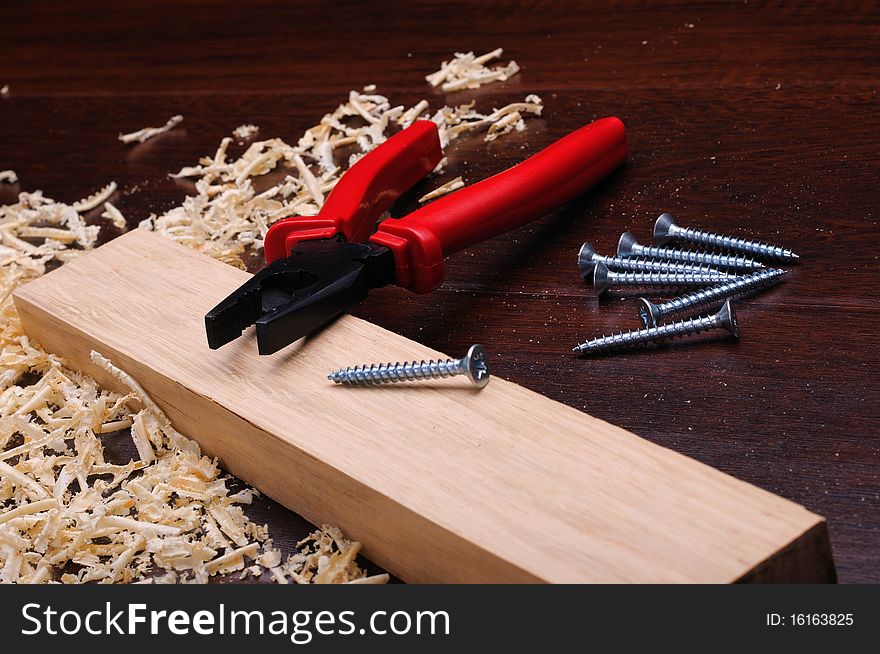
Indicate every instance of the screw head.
{"type": "Point", "coordinates": [586, 261]}
{"type": "Point", "coordinates": [662, 228]}
{"type": "Point", "coordinates": [625, 244]}
{"type": "Point", "coordinates": [649, 312]}
{"type": "Point", "coordinates": [476, 367]}
{"type": "Point", "coordinates": [727, 319]}
{"type": "Point", "coordinates": [600, 279]}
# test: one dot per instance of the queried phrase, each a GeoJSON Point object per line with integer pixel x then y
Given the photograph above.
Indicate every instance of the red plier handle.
{"type": "Point", "coordinates": [421, 240]}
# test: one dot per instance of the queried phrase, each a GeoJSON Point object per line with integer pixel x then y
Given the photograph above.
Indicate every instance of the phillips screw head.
{"type": "Point", "coordinates": [475, 366]}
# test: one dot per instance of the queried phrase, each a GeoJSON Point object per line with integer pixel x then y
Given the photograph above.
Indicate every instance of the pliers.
{"type": "Point", "coordinates": [319, 266]}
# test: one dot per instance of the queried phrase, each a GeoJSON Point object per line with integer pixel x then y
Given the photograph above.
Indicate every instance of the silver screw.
{"type": "Point", "coordinates": [473, 365]}
{"type": "Point", "coordinates": [604, 279]}
{"type": "Point", "coordinates": [665, 230]}
{"type": "Point", "coordinates": [588, 258]}
{"type": "Point", "coordinates": [629, 247]}
{"type": "Point", "coordinates": [724, 319]}
{"type": "Point", "coordinates": [652, 313]}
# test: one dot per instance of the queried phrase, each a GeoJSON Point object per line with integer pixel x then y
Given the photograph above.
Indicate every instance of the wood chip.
{"type": "Point", "coordinates": [448, 187]}
{"type": "Point", "coordinates": [114, 215]}
{"type": "Point", "coordinates": [95, 199]}
{"type": "Point", "coordinates": [142, 135]}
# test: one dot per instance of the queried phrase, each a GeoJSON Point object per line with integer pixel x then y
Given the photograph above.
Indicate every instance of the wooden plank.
{"type": "Point", "coordinates": [441, 482]}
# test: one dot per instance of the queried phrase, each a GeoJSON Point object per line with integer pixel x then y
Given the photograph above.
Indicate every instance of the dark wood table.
{"type": "Point", "coordinates": [758, 120]}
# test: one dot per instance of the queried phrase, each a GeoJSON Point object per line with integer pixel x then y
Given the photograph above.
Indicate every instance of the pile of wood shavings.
{"type": "Point", "coordinates": [67, 513]}
{"type": "Point", "coordinates": [71, 514]}
{"type": "Point", "coordinates": [227, 214]}
{"type": "Point", "coordinates": [465, 71]}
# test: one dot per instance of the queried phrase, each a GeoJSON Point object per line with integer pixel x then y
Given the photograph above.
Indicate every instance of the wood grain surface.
{"type": "Point", "coordinates": [755, 118]}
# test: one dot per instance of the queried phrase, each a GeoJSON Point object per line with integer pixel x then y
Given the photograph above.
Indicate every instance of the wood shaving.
{"type": "Point", "coordinates": [456, 121]}
{"type": "Point", "coordinates": [448, 187]}
{"type": "Point", "coordinates": [245, 132]}
{"type": "Point", "coordinates": [326, 557]}
{"type": "Point", "coordinates": [114, 215]}
{"type": "Point", "coordinates": [142, 135]}
{"type": "Point", "coordinates": [69, 515]}
{"type": "Point", "coordinates": [95, 199]}
{"type": "Point", "coordinates": [8, 176]}
{"type": "Point", "coordinates": [465, 71]}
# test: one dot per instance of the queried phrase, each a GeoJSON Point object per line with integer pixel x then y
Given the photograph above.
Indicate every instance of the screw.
{"type": "Point", "coordinates": [653, 313]}
{"type": "Point", "coordinates": [665, 230]}
{"type": "Point", "coordinates": [588, 258]}
{"type": "Point", "coordinates": [473, 365]}
{"type": "Point", "coordinates": [724, 319]}
{"type": "Point", "coordinates": [604, 279]}
{"type": "Point", "coordinates": [628, 247]}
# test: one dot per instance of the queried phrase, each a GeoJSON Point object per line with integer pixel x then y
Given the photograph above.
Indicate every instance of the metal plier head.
{"type": "Point", "coordinates": [319, 266]}
{"type": "Point", "coordinates": [295, 295]}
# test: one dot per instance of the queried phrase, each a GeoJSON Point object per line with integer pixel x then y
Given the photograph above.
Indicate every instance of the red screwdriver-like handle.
{"type": "Point", "coordinates": [529, 190]}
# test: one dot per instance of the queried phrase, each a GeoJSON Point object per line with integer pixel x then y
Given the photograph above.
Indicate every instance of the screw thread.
{"type": "Point", "coordinates": [649, 335]}
{"type": "Point", "coordinates": [389, 373]}
{"type": "Point", "coordinates": [642, 264]}
{"type": "Point", "coordinates": [735, 262]}
{"type": "Point", "coordinates": [713, 240]}
{"type": "Point", "coordinates": [730, 289]}
{"type": "Point", "coordinates": [664, 279]}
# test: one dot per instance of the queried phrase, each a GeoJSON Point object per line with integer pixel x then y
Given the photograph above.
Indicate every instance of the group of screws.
{"type": "Point", "coordinates": [718, 277]}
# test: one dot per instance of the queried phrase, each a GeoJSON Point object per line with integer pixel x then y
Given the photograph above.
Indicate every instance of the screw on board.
{"type": "Point", "coordinates": [472, 365]}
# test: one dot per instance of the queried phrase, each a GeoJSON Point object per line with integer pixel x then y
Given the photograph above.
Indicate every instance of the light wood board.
{"type": "Point", "coordinates": [440, 481]}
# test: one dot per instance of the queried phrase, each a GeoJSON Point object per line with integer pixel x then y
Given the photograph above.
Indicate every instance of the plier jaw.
{"type": "Point", "coordinates": [319, 266]}
{"type": "Point", "coordinates": [296, 295]}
